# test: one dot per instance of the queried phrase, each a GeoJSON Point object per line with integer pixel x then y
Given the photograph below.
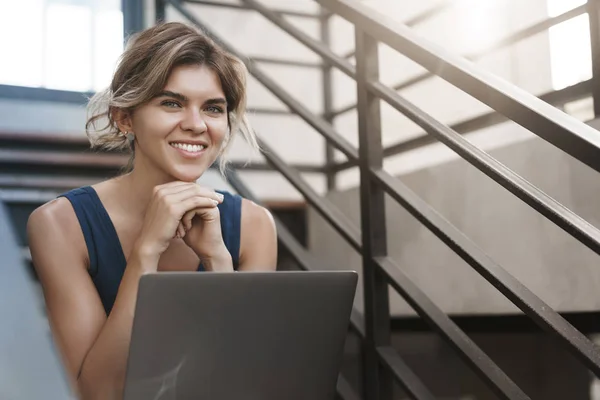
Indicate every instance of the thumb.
{"type": "Point", "coordinates": [187, 219]}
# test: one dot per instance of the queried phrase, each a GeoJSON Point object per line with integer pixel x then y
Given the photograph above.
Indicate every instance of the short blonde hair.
{"type": "Point", "coordinates": [143, 71]}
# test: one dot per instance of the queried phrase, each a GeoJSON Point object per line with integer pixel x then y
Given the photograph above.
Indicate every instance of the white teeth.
{"type": "Point", "coordinates": [192, 148]}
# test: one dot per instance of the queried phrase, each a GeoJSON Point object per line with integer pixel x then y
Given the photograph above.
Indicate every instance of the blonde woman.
{"type": "Point", "coordinates": [175, 100]}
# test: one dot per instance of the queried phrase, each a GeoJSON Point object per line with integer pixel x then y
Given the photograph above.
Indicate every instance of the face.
{"type": "Point", "coordinates": [181, 131]}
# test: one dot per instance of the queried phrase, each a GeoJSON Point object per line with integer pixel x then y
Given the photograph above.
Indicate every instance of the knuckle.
{"type": "Point", "coordinates": [172, 209]}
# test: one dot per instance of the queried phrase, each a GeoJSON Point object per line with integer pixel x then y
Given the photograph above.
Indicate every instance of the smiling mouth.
{"type": "Point", "coordinates": [189, 148]}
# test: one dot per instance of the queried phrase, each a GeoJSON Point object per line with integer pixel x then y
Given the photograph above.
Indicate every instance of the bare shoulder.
{"type": "Point", "coordinates": [258, 248]}
{"type": "Point", "coordinates": [55, 223]}
{"type": "Point", "coordinates": [256, 217]}
{"type": "Point", "coordinates": [55, 216]}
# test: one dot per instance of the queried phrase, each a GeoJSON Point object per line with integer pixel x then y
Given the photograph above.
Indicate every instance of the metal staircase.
{"type": "Point", "coordinates": [382, 364]}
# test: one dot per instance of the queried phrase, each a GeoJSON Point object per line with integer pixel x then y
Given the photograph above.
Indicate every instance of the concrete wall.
{"type": "Point", "coordinates": [552, 264]}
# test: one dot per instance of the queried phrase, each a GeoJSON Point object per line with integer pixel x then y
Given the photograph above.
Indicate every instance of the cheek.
{"type": "Point", "coordinates": [151, 125]}
{"type": "Point", "coordinates": [219, 130]}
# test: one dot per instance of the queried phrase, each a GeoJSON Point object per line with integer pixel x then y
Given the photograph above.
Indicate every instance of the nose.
{"type": "Point", "coordinates": [193, 121]}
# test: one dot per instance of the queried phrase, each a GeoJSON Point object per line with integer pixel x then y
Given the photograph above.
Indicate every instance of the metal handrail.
{"type": "Point", "coordinates": [572, 136]}
{"type": "Point", "coordinates": [404, 375]}
{"type": "Point", "coordinates": [511, 181]}
{"type": "Point", "coordinates": [480, 362]}
{"type": "Point", "coordinates": [497, 45]}
{"type": "Point", "coordinates": [534, 197]}
{"type": "Point", "coordinates": [347, 230]}
{"type": "Point", "coordinates": [568, 134]}
{"type": "Point", "coordinates": [556, 97]}
{"type": "Point", "coordinates": [419, 18]}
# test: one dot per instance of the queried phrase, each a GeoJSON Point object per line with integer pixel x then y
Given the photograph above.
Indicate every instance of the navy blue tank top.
{"type": "Point", "coordinates": [107, 260]}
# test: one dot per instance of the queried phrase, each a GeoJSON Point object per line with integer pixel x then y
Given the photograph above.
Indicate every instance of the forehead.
{"type": "Point", "coordinates": [195, 82]}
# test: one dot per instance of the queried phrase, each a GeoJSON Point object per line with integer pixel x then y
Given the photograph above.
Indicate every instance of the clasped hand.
{"type": "Point", "coordinates": [187, 211]}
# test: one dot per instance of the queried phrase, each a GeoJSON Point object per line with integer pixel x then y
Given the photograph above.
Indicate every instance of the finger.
{"type": "Point", "coordinates": [180, 231]}
{"type": "Point", "coordinates": [193, 192]}
{"type": "Point", "coordinates": [202, 191]}
{"type": "Point", "coordinates": [189, 216]}
{"type": "Point", "coordinates": [180, 208]}
{"type": "Point", "coordinates": [172, 187]}
{"type": "Point", "coordinates": [187, 219]}
{"type": "Point", "coordinates": [207, 213]}
{"type": "Point", "coordinates": [206, 192]}
{"type": "Point", "coordinates": [190, 188]}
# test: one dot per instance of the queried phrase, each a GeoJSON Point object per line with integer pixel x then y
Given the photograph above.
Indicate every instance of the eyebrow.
{"type": "Point", "coordinates": [183, 98]}
{"type": "Point", "coordinates": [218, 100]}
{"type": "Point", "coordinates": [168, 93]}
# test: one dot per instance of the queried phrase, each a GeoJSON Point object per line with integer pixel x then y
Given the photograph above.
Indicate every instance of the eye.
{"type": "Point", "coordinates": [170, 104]}
{"type": "Point", "coordinates": [214, 109]}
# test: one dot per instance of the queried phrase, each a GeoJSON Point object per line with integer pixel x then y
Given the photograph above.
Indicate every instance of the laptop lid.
{"type": "Point", "coordinates": [29, 365]}
{"type": "Point", "coordinates": [253, 335]}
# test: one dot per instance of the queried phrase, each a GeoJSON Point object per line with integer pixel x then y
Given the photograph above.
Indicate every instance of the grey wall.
{"type": "Point", "coordinates": [553, 265]}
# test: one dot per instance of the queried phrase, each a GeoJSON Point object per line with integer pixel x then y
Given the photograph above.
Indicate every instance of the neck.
{"type": "Point", "coordinates": [138, 185]}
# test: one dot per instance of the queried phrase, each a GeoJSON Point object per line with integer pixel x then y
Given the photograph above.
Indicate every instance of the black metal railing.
{"type": "Point", "coordinates": [382, 363]}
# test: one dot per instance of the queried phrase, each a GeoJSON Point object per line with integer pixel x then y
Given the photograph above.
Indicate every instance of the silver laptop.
{"type": "Point", "coordinates": [239, 336]}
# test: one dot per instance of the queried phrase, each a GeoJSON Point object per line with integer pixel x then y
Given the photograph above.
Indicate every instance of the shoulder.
{"type": "Point", "coordinates": [55, 213]}
{"type": "Point", "coordinates": [251, 214]}
{"type": "Point", "coordinates": [256, 217]}
{"type": "Point", "coordinates": [258, 238]}
{"type": "Point", "coordinates": [59, 212]}
{"type": "Point", "coordinates": [55, 224]}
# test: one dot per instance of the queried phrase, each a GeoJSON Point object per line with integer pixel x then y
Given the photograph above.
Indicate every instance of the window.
{"type": "Point", "coordinates": [570, 48]}
{"type": "Point", "coordinates": [60, 44]}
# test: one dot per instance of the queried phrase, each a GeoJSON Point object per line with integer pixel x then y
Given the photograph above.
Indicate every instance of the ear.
{"type": "Point", "coordinates": [123, 119]}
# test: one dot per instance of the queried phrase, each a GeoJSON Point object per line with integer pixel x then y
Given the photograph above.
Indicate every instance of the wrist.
{"type": "Point", "coordinates": [146, 256]}
{"type": "Point", "coordinates": [219, 261]}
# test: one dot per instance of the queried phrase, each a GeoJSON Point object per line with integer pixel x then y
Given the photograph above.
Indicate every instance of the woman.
{"type": "Point", "coordinates": [175, 100]}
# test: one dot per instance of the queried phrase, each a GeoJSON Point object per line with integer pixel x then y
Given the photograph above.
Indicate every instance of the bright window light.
{"type": "Point", "coordinates": [60, 44]}
{"type": "Point", "coordinates": [570, 48]}
{"type": "Point", "coordinates": [21, 49]}
{"type": "Point", "coordinates": [108, 45]}
{"type": "Point", "coordinates": [67, 47]}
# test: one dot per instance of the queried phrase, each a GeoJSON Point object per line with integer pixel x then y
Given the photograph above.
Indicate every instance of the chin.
{"type": "Point", "coordinates": [187, 173]}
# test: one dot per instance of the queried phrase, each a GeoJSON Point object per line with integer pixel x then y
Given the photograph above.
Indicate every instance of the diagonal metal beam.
{"type": "Point", "coordinates": [351, 234]}
{"type": "Point", "coordinates": [404, 375]}
{"type": "Point", "coordinates": [557, 98]}
{"type": "Point", "coordinates": [563, 131]}
{"type": "Point", "coordinates": [318, 47]}
{"type": "Point", "coordinates": [417, 19]}
{"type": "Point", "coordinates": [541, 313]}
{"type": "Point", "coordinates": [478, 360]}
{"type": "Point", "coordinates": [288, 63]}
{"type": "Point", "coordinates": [499, 44]}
